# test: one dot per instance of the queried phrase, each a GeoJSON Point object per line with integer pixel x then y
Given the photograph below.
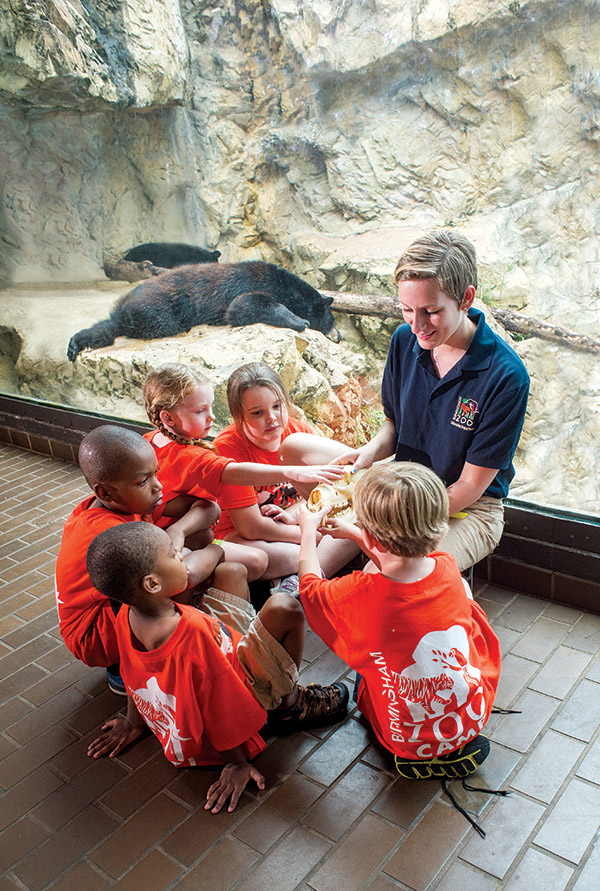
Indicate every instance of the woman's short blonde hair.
{"type": "Point", "coordinates": [254, 374]}
{"type": "Point", "coordinates": [446, 256]}
{"type": "Point", "coordinates": [404, 506]}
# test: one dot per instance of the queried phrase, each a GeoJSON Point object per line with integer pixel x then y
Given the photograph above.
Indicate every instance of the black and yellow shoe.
{"type": "Point", "coordinates": [454, 765]}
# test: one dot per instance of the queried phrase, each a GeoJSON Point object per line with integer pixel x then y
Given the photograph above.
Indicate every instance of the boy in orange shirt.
{"type": "Point", "coordinates": [427, 661]}
{"type": "Point", "coordinates": [203, 688]}
{"type": "Point", "coordinates": [120, 467]}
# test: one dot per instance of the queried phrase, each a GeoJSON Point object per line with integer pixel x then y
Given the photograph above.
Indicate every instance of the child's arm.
{"type": "Point", "coordinates": [250, 523]}
{"type": "Point", "coordinates": [118, 733]}
{"type": "Point", "coordinates": [247, 473]}
{"type": "Point", "coordinates": [201, 564]}
{"type": "Point", "coordinates": [197, 518]}
{"type": "Point", "coordinates": [234, 778]}
{"type": "Point", "coordinates": [309, 523]}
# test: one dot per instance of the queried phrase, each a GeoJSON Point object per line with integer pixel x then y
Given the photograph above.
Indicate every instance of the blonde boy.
{"type": "Point", "coordinates": [427, 661]}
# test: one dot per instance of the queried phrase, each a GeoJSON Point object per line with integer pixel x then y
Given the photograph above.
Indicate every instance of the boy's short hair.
{"type": "Point", "coordinates": [404, 506]}
{"type": "Point", "coordinates": [119, 558]}
{"type": "Point", "coordinates": [104, 450]}
{"type": "Point", "coordinates": [446, 256]}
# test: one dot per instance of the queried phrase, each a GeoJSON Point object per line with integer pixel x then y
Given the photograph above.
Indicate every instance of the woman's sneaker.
{"type": "Point", "coordinates": [316, 705]}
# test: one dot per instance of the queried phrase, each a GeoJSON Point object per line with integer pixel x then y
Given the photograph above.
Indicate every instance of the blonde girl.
{"type": "Point", "coordinates": [179, 404]}
{"type": "Point", "coordinates": [266, 518]}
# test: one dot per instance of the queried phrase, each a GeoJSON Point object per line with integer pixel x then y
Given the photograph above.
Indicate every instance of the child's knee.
{"type": "Point", "coordinates": [257, 563]}
{"type": "Point", "coordinates": [284, 608]}
{"type": "Point", "coordinates": [232, 577]}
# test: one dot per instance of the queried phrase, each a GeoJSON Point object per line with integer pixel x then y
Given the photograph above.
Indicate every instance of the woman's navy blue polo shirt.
{"type": "Point", "coordinates": [475, 413]}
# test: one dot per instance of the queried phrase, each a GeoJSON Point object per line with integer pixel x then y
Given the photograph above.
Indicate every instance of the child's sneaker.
{"type": "Point", "coordinates": [289, 584]}
{"type": "Point", "coordinates": [316, 705]}
{"type": "Point", "coordinates": [115, 682]}
{"type": "Point", "coordinates": [458, 764]}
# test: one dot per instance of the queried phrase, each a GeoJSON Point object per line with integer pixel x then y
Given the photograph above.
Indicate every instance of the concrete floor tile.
{"type": "Point", "coordinates": [540, 639]}
{"type": "Point", "coordinates": [564, 667]}
{"type": "Point", "coordinates": [585, 634]}
{"type": "Point", "coordinates": [288, 863]}
{"type": "Point", "coordinates": [508, 826]}
{"type": "Point", "coordinates": [535, 778]}
{"type": "Point", "coordinates": [357, 856]}
{"type": "Point", "coordinates": [332, 758]}
{"type": "Point", "coordinates": [594, 672]}
{"type": "Point", "coordinates": [514, 676]}
{"type": "Point", "coordinates": [521, 730]}
{"type": "Point", "coordinates": [278, 812]}
{"type": "Point", "coordinates": [82, 875]}
{"type": "Point", "coordinates": [589, 879]}
{"type": "Point", "coordinates": [406, 800]}
{"type": "Point", "coordinates": [589, 769]}
{"type": "Point", "coordinates": [521, 612]}
{"type": "Point", "coordinates": [135, 837]}
{"type": "Point", "coordinates": [537, 870]}
{"type": "Point", "coordinates": [337, 810]}
{"type": "Point", "coordinates": [423, 853]}
{"type": "Point", "coordinates": [154, 871]}
{"type": "Point", "coordinates": [572, 823]}
{"type": "Point", "coordinates": [461, 878]}
{"type": "Point", "coordinates": [63, 848]}
{"type": "Point", "coordinates": [221, 869]}
{"type": "Point", "coordinates": [580, 715]}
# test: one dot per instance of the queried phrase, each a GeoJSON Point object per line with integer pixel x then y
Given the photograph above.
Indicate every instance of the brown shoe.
{"type": "Point", "coordinates": [315, 706]}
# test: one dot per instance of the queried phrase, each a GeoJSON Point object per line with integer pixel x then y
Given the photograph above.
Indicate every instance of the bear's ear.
{"type": "Point", "coordinates": [327, 300]}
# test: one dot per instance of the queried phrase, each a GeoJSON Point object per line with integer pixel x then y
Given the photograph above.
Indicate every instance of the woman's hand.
{"type": "Point", "coordinates": [232, 782]}
{"type": "Point", "coordinates": [117, 734]}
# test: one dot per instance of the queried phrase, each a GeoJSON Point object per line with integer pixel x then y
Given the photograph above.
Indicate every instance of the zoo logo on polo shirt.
{"type": "Point", "coordinates": [464, 413]}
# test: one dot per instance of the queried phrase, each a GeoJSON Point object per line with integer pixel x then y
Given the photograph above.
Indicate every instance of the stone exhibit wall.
{"type": "Point", "coordinates": [320, 136]}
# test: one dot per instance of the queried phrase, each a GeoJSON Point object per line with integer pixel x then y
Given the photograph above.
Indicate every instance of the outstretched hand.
{"type": "Point", "coordinates": [311, 521]}
{"type": "Point", "coordinates": [336, 528]}
{"type": "Point", "coordinates": [232, 782]}
{"type": "Point", "coordinates": [314, 474]}
{"type": "Point", "coordinates": [354, 459]}
{"type": "Point", "coordinates": [117, 734]}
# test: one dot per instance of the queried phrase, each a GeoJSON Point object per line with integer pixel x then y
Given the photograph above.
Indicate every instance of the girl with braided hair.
{"type": "Point", "coordinates": [179, 405]}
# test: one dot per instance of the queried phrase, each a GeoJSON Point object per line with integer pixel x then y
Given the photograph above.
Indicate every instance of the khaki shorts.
{"type": "Point", "coordinates": [270, 671]}
{"type": "Point", "coordinates": [473, 537]}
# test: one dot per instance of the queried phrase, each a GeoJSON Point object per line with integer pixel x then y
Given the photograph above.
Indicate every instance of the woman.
{"type": "Point", "coordinates": [453, 392]}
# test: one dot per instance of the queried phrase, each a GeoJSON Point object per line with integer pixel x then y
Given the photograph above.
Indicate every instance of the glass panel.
{"type": "Point", "coordinates": [321, 138]}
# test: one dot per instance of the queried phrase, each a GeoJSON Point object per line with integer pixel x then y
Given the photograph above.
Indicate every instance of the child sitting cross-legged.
{"type": "Point", "coordinates": [179, 403]}
{"type": "Point", "coordinates": [427, 661]}
{"type": "Point", "coordinates": [121, 469]}
{"type": "Point", "coordinates": [203, 688]}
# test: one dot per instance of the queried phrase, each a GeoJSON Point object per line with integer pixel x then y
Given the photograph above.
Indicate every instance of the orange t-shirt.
{"type": "Point", "coordinates": [192, 691]}
{"type": "Point", "coordinates": [233, 444]}
{"type": "Point", "coordinates": [185, 469]}
{"type": "Point", "coordinates": [429, 660]}
{"type": "Point", "coordinates": [85, 616]}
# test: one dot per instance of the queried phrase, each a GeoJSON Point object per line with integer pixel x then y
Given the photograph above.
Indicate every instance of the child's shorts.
{"type": "Point", "coordinates": [228, 608]}
{"type": "Point", "coordinates": [270, 671]}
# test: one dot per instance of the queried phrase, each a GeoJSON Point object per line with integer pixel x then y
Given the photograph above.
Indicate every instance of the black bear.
{"type": "Point", "coordinates": [211, 294]}
{"type": "Point", "coordinates": [168, 254]}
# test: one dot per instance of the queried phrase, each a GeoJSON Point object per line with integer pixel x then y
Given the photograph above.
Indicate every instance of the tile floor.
{"type": "Point", "coordinates": [334, 817]}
